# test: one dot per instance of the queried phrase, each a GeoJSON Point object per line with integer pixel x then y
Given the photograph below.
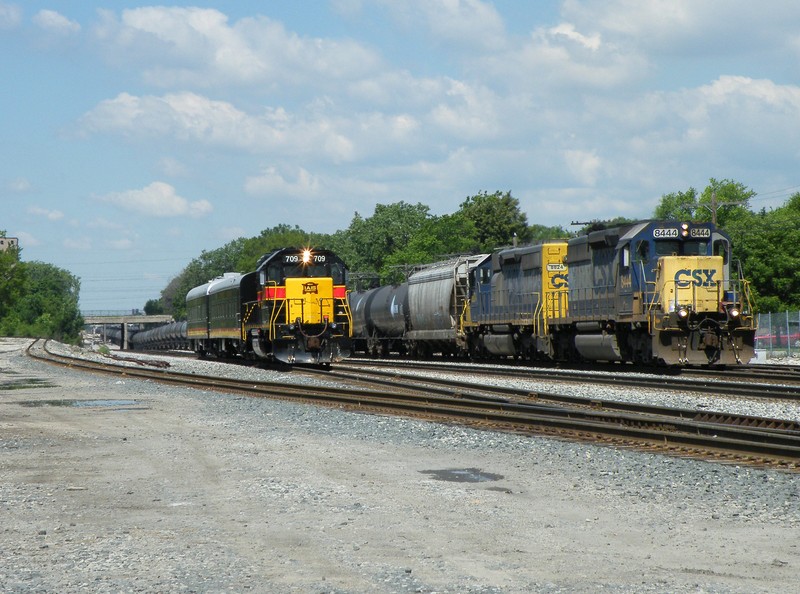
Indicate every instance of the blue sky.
{"type": "Point", "coordinates": [135, 136]}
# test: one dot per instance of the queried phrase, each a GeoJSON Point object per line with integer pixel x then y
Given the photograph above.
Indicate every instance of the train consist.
{"type": "Point", "coordinates": [170, 336]}
{"type": "Point", "coordinates": [293, 308]}
{"type": "Point", "coordinates": [647, 292]}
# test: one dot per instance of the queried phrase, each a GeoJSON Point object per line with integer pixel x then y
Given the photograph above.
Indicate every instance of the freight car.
{"type": "Point", "coordinates": [170, 336]}
{"type": "Point", "coordinates": [646, 292]}
{"type": "Point", "coordinates": [380, 320]}
{"type": "Point", "coordinates": [293, 308]}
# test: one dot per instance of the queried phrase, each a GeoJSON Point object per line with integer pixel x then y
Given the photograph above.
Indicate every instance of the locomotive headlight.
{"type": "Point", "coordinates": [685, 230]}
{"type": "Point", "coordinates": [306, 256]}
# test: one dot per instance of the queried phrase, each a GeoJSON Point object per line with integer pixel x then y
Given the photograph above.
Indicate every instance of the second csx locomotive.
{"type": "Point", "coordinates": [646, 292]}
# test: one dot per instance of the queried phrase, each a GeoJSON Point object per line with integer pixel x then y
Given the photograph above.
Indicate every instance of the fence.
{"type": "Point", "coordinates": [778, 335]}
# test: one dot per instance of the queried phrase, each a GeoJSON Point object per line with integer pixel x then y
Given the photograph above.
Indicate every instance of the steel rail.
{"type": "Point", "coordinates": [467, 389]}
{"type": "Point", "coordinates": [685, 437]}
{"type": "Point", "coordinates": [705, 386]}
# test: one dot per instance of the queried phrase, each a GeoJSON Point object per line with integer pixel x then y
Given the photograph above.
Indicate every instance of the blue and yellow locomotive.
{"type": "Point", "coordinates": [292, 308]}
{"type": "Point", "coordinates": [655, 291]}
{"type": "Point", "coordinates": [514, 293]}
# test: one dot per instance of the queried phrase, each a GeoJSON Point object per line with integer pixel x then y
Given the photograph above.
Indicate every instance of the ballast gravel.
{"type": "Point", "coordinates": [124, 485]}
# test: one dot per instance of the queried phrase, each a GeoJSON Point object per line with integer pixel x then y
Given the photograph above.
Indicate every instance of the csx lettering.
{"type": "Point", "coordinates": [699, 277]}
{"type": "Point", "coordinates": [559, 281]}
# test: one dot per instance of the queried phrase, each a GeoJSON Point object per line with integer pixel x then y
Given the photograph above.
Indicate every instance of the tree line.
{"type": "Point", "coordinates": [383, 247]}
{"type": "Point", "coordinates": [38, 299]}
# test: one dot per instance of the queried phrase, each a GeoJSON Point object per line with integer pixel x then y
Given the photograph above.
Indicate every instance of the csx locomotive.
{"type": "Point", "coordinates": [646, 292]}
{"type": "Point", "coordinates": [293, 308]}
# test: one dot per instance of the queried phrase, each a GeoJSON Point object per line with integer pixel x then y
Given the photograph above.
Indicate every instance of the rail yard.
{"type": "Point", "coordinates": [273, 495]}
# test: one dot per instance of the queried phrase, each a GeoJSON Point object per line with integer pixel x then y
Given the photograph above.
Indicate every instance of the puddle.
{"type": "Point", "coordinates": [22, 384]}
{"type": "Point", "coordinates": [463, 475]}
{"type": "Point", "coordinates": [117, 404]}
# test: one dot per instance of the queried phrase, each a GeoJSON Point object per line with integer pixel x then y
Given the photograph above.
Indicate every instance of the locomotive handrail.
{"type": "Point", "coordinates": [345, 303]}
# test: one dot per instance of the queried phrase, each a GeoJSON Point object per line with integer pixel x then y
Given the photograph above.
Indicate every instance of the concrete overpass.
{"type": "Point", "coordinates": [123, 319]}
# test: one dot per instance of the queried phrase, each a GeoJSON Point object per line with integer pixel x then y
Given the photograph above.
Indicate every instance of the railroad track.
{"type": "Point", "coordinates": [738, 440]}
{"type": "Point", "coordinates": [709, 385]}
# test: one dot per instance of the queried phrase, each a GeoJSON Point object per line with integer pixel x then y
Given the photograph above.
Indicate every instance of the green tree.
{"type": "Point", "coordinates": [276, 237]}
{"type": "Point", "coordinates": [725, 199]}
{"type": "Point", "coordinates": [541, 233]}
{"type": "Point", "coordinates": [497, 219]}
{"type": "Point", "coordinates": [209, 265]}
{"type": "Point", "coordinates": [766, 244]}
{"type": "Point", "coordinates": [437, 238]}
{"type": "Point", "coordinates": [677, 206]}
{"type": "Point", "coordinates": [12, 277]}
{"type": "Point", "coordinates": [366, 244]}
{"type": "Point", "coordinates": [47, 306]}
{"type": "Point", "coordinates": [153, 307]}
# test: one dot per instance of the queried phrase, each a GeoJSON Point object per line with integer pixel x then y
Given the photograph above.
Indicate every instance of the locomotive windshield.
{"type": "Point", "coordinates": [315, 270]}
{"type": "Point", "coordinates": [682, 248]}
{"type": "Point", "coordinates": [309, 265]}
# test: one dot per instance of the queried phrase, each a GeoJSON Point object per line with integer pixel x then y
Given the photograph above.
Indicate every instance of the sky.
{"type": "Point", "coordinates": [135, 136]}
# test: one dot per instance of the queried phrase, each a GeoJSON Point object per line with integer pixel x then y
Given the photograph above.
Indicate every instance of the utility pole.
{"type": "Point", "coordinates": [715, 205]}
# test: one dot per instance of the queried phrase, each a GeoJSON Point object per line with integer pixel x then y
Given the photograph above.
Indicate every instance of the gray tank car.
{"type": "Point", "coordinates": [380, 319]}
{"type": "Point", "coordinates": [438, 297]}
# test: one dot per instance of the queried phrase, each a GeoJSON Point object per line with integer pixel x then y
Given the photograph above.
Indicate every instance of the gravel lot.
{"type": "Point", "coordinates": [161, 489]}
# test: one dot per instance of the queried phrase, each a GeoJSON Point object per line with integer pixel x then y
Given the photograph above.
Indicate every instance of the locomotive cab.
{"type": "Point", "coordinates": [703, 313]}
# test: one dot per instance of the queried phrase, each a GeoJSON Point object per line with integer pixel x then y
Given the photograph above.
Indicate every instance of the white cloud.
{"type": "Point", "coordinates": [469, 23]}
{"type": "Point", "coordinates": [80, 244]}
{"type": "Point", "coordinates": [568, 31]}
{"type": "Point", "coordinates": [19, 185]}
{"type": "Point", "coordinates": [688, 27]}
{"type": "Point", "coordinates": [560, 62]}
{"type": "Point", "coordinates": [172, 167]}
{"type": "Point", "coordinates": [192, 118]}
{"type": "Point", "coordinates": [101, 223]}
{"type": "Point", "coordinates": [159, 200]}
{"type": "Point", "coordinates": [52, 21]}
{"type": "Point", "coordinates": [299, 184]}
{"type": "Point", "coordinates": [51, 215]}
{"type": "Point", "coordinates": [10, 16]}
{"type": "Point", "coordinates": [466, 112]}
{"type": "Point", "coordinates": [26, 239]}
{"type": "Point", "coordinates": [196, 46]}
{"type": "Point", "coordinates": [121, 244]}
{"type": "Point", "coordinates": [584, 165]}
